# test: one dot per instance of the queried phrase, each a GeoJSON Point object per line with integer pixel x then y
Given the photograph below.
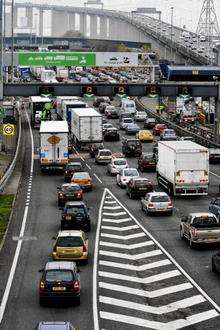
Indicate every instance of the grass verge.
{"type": "Point", "coordinates": [5, 211]}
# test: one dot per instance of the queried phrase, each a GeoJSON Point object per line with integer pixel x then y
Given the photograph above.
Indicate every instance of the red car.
{"type": "Point", "coordinates": [158, 129]}
{"type": "Point", "coordinates": [147, 161]}
{"type": "Point", "coordinates": [69, 192]}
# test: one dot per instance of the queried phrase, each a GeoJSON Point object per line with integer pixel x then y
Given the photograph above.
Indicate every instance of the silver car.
{"type": "Point", "coordinates": [157, 202]}
{"type": "Point", "coordinates": [116, 165]}
{"type": "Point", "coordinates": [124, 176]}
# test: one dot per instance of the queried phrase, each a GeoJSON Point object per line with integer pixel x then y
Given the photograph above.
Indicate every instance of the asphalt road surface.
{"type": "Point", "coordinates": [136, 283]}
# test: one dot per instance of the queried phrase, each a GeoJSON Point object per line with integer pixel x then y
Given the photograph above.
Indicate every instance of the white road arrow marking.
{"type": "Point", "coordinates": [135, 268]}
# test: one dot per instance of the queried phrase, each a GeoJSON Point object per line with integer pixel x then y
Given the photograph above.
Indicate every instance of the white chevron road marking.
{"type": "Point", "coordinates": [110, 202]}
{"type": "Point", "coordinates": [173, 325]}
{"type": "Point", "coordinates": [114, 214]}
{"type": "Point", "coordinates": [129, 256]}
{"type": "Point", "coordinates": [123, 237]}
{"type": "Point", "coordinates": [146, 280]}
{"type": "Point", "coordinates": [184, 303]}
{"type": "Point", "coordinates": [135, 268]}
{"type": "Point", "coordinates": [147, 294]}
{"type": "Point", "coordinates": [112, 207]}
{"type": "Point", "coordinates": [126, 246]}
{"type": "Point", "coordinates": [116, 221]}
{"type": "Point", "coordinates": [121, 228]}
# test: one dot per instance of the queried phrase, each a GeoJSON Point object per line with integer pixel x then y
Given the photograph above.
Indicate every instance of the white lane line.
{"type": "Point", "coordinates": [97, 178]}
{"type": "Point", "coordinates": [125, 246]}
{"type": "Point", "coordinates": [114, 214]}
{"type": "Point", "coordinates": [143, 293]}
{"type": "Point", "coordinates": [129, 256]}
{"type": "Point", "coordinates": [110, 202]}
{"type": "Point", "coordinates": [88, 166]}
{"type": "Point", "coordinates": [121, 228]}
{"type": "Point", "coordinates": [116, 221]}
{"type": "Point", "coordinates": [217, 176]}
{"type": "Point", "coordinates": [123, 237]}
{"type": "Point", "coordinates": [175, 306]}
{"type": "Point", "coordinates": [112, 207]}
{"type": "Point", "coordinates": [146, 280]}
{"type": "Point", "coordinates": [19, 243]}
{"type": "Point", "coordinates": [216, 306]}
{"type": "Point", "coordinates": [78, 154]}
{"type": "Point", "coordinates": [173, 325]}
{"type": "Point", "coordinates": [135, 268]}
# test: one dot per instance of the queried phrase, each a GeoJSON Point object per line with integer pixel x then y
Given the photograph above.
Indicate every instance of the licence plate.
{"type": "Point", "coordinates": [68, 217]}
{"type": "Point", "coordinates": [59, 288]}
{"type": "Point", "coordinates": [161, 209]}
{"type": "Point", "coordinates": [142, 188]}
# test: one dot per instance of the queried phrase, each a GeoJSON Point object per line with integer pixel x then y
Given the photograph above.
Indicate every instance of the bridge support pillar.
{"type": "Point", "coordinates": [217, 118]}
{"type": "Point", "coordinates": [93, 27]}
{"type": "Point", "coordinates": [29, 15]}
{"type": "Point", "coordinates": [41, 22]}
{"type": "Point", "coordinates": [82, 24]}
{"type": "Point", "coordinates": [8, 24]}
{"type": "Point", "coordinates": [72, 21]}
{"type": "Point", "coordinates": [103, 27]}
{"type": "Point", "coordinates": [59, 23]}
{"type": "Point", "coordinates": [15, 17]}
{"type": "Point", "coordinates": [113, 29]}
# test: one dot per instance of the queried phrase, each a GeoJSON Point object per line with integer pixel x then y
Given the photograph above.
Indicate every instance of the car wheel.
{"type": "Point", "coordinates": [213, 266]}
{"type": "Point", "coordinates": [77, 301]}
{"type": "Point", "coordinates": [88, 227]}
{"type": "Point", "coordinates": [41, 301]}
{"type": "Point", "coordinates": [191, 243]}
{"type": "Point", "coordinates": [170, 213]}
{"type": "Point", "coordinates": [181, 234]}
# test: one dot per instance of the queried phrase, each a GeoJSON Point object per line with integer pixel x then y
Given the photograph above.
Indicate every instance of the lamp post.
{"type": "Point", "coordinates": [35, 28]}
{"type": "Point", "coordinates": [12, 40]}
{"type": "Point", "coordinates": [171, 33]}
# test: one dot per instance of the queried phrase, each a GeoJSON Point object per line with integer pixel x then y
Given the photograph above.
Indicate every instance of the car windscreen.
{"type": "Point", "coordinates": [159, 199]}
{"type": "Point", "coordinates": [70, 188]}
{"type": "Point", "coordinates": [120, 162]}
{"type": "Point", "coordinates": [134, 143]}
{"type": "Point", "coordinates": [59, 275]}
{"type": "Point", "coordinates": [129, 105]}
{"type": "Point", "coordinates": [204, 222]}
{"type": "Point", "coordinates": [148, 157]}
{"type": "Point", "coordinates": [105, 153]}
{"type": "Point", "coordinates": [141, 183]}
{"type": "Point", "coordinates": [75, 210]}
{"type": "Point", "coordinates": [69, 241]}
{"type": "Point", "coordinates": [131, 173]}
{"type": "Point", "coordinates": [74, 167]}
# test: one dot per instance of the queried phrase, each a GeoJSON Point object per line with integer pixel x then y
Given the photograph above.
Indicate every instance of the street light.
{"type": "Point", "coordinates": [12, 40]}
{"type": "Point", "coordinates": [171, 32]}
{"type": "Point", "coordinates": [35, 27]}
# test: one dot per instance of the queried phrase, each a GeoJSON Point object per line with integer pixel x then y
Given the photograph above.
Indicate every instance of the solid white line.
{"type": "Point", "coordinates": [146, 280]}
{"type": "Point", "coordinates": [78, 154]}
{"type": "Point", "coordinates": [135, 268]}
{"type": "Point", "coordinates": [143, 293]}
{"type": "Point", "coordinates": [116, 221]}
{"type": "Point", "coordinates": [125, 246]}
{"type": "Point", "coordinates": [88, 166]}
{"type": "Point", "coordinates": [216, 306]}
{"type": "Point", "coordinates": [218, 176]}
{"type": "Point", "coordinates": [97, 178]}
{"type": "Point", "coordinates": [173, 325]}
{"type": "Point", "coordinates": [129, 256]}
{"type": "Point", "coordinates": [110, 202]}
{"type": "Point", "coordinates": [121, 228]}
{"type": "Point", "coordinates": [123, 237]}
{"type": "Point", "coordinates": [114, 214]}
{"type": "Point", "coordinates": [19, 243]}
{"type": "Point", "coordinates": [175, 306]}
{"type": "Point", "coordinates": [112, 207]}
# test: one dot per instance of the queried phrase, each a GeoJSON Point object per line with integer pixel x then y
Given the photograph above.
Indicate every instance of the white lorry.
{"type": "Point", "coordinates": [48, 76]}
{"type": "Point", "coordinates": [53, 145]}
{"type": "Point", "coordinates": [62, 73]}
{"type": "Point", "coordinates": [183, 168]}
{"type": "Point", "coordinates": [128, 106]}
{"type": "Point", "coordinates": [68, 105]}
{"type": "Point", "coordinates": [59, 102]}
{"type": "Point", "coordinates": [86, 127]}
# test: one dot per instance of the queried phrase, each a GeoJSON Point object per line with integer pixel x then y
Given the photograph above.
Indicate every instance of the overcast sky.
{"type": "Point", "coordinates": [185, 11]}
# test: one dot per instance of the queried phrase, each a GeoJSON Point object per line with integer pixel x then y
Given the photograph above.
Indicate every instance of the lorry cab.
{"type": "Point", "coordinates": [128, 105]}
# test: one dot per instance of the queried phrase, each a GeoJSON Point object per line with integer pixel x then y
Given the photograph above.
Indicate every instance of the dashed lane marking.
{"type": "Point", "coordinates": [98, 178]}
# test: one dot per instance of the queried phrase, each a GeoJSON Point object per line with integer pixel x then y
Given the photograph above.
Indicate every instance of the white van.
{"type": "Point", "coordinates": [128, 106]}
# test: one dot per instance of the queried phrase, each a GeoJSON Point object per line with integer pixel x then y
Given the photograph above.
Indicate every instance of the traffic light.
{"type": "Point", "coordinates": [120, 90]}
{"type": "Point", "coordinates": [152, 90]}
{"type": "Point", "coordinates": [184, 90]}
{"type": "Point", "coordinates": [88, 90]}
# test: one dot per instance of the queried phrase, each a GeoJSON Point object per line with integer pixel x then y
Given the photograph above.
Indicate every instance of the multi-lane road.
{"type": "Point", "coordinates": [140, 275]}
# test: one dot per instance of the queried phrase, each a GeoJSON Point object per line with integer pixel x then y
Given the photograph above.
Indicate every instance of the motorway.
{"type": "Point", "coordinates": [133, 274]}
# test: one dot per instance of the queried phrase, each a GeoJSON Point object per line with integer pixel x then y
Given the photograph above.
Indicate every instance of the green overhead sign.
{"type": "Point", "coordinates": [56, 59]}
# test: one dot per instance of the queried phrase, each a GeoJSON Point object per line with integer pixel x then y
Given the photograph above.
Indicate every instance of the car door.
{"type": "Point", "coordinates": [186, 226]}
{"type": "Point", "coordinates": [215, 207]}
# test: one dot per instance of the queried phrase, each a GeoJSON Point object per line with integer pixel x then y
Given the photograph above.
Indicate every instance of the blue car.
{"type": "Point", "coordinates": [55, 326]}
{"type": "Point", "coordinates": [132, 129]}
{"type": "Point", "coordinates": [214, 207]}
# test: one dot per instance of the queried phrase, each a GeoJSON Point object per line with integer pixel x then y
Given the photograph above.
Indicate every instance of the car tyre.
{"type": "Point", "coordinates": [88, 227]}
{"type": "Point", "coordinates": [77, 301]}
{"type": "Point", "coordinates": [181, 234]}
{"type": "Point", "coordinates": [41, 301]}
{"type": "Point", "coordinates": [191, 243]}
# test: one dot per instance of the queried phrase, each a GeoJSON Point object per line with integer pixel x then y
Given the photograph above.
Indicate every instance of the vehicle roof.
{"type": "Point", "coordinates": [115, 159]}
{"type": "Point", "coordinates": [55, 126]}
{"type": "Point", "coordinates": [201, 214]}
{"type": "Point", "coordinates": [183, 145]}
{"type": "Point", "coordinates": [129, 168]}
{"type": "Point", "coordinates": [157, 193]}
{"type": "Point", "coordinates": [69, 265]}
{"type": "Point", "coordinates": [86, 112]}
{"type": "Point", "coordinates": [101, 150]}
{"type": "Point", "coordinates": [74, 203]}
{"type": "Point", "coordinates": [65, 233]}
{"type": "Point", "coordinates": [69, 184]}
{"type": "Point", "coordinates": [53, 325]}
{"type": "Point", "coordinates": [74, 163]}
{"type": "Point", "coordinates": [40, 99]}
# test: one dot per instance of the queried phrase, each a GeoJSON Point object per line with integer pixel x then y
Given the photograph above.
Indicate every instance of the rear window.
{"type": "Point", "coordinates": [128, 120]}
{"type": "Point", "coordinates": [148, 157]}
{"type": "Point", "coordinates": [141, 183]}
{"type": "Point", "coordinates": [59, 275]}
{"type": "Point", "coordinates": [129, 105]}
{"type": "Point", "coordinates": [134, 143]}
{"type": "Point", "coordinates": [75, 210]}
{"type": "Point", "coordinates": [81, 175]}
{"type": "Point", "coordinates": [159, 199]}
{"type": "Point", "coordinates": [74, 167]}
{"type": "Point", "coordinates": [131, 173]}
{"type": "Point", "coordinates": [71, 188]}
{"type": "Point", "coordinates": [204, 222]}
{"type": "Point", "coordinates": [120, 162]}
{"type": "Point", "coordinates": [105, 153]}
{"type": "Point", "coordinates": [69, 241]}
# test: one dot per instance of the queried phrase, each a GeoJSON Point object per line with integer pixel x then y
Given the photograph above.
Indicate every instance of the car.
{"type": "Point", "coordinates": [100, 99]}
{"type": "Point", "coordinates": [131, 147]}
{"type": "Point", "coordinates": [147, 161]}
{"type": "Point", "coordinates": [94, 148]}
{"type": "Point", "coordinates": [214, 155]}
{"type": "Point", "coordinates": [186, 138]}
{"type": "Point", "coordinates": [111, 134]}
{"type": "Point", "coordinates": [125, 115]}
{"type": "Point", "coordinates": [144, 135]}
{"type": "Point", "coordinates": [140, 116]}
{"type": "Point", "coordinates": [71, 245]}
{"type": "Point", "coordinates": [125, 175]}
{"type": "Point", "coordinates": [103, 156]}
{"type": "Point", "coordinates": [214, 207]}
{"type": "Point", "coordinates": [158, 129]}
{"type": "Point", "coordinates": [59, 280]}
{"type": "Point", "coordinates": [103, 106]}
{"type": "Point", "coordinates": [83, 179]}
{"type": "Point", "coordinates": [69, 192]}
{"type": "Point", "coordinates": [138, 187]}
{"type": "Point", "coordinates": [116, 165]}
{"type": "Point", "coordinates": [111, 112]}
{"type": "Point", "coordinates": [72, 168]}
{"type": "Point", "coordinates": [157, 203]}
{"type": "Point", "coordinates": [132, 129]}
{"type": "Point", "coordinates": [55, 326]}
{"type": "Point", "coordinates": [216, 262]}
{"type": "Point", "coordinates": [74, 216]}
{"type": "Point", "coordinates": [168, 135]}
{"type": "Point", "coordinates": [149, 122]}
{"type": "Point", "coordinates": [105, 126]}
{"type": "Point", "coordinates": [124, 122]}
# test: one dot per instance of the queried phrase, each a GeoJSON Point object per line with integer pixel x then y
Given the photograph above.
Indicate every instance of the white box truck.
{"type": "Point", "coordinates": [68, 105]}
{"type": "Point", "coordinates": [53, 145]}
{"type": "Point", "coordinates": [183, 168]}
{"type": "Point", "coordinates": [128, 106]}
{"type": "Point", "coordinates": [59, 104]}
{"type": "Point", "coordinates": [86, 127]}
{"type": "Point", "coordinates": [62, 73]}
{"type": "Point", "coordinates": [48, 76]}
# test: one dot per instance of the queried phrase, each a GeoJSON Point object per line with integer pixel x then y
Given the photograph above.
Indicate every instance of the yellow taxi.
{"type": "Point", "coordinates": [145, 135]}
{"type": "Point", "coordinates": [83, 179]}
{"type": "Point", "coordinates": [71, 245]}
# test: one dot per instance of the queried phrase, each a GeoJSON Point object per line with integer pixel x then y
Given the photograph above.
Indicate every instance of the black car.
{"type": "Point", "coordinates": [70, 169]}
{"type": "Point", "coordinates": [111, 134]}
{"type": "Point", "coordinates": [147, 161]}
{"type": "Point", "coordinates": [94, 149]}
{"type": "Point", "coordinates": [131, 147]}
{"type": "Point", "coordinates": [59, 280]}
{"type": "Point", "coordinates": [103, 106]}
{"type": "Point", "coordinates": [139, 187]}
{"type": "Point", "coordinates": [149, 122]}
{"type": "Point", "coordinates": [69, 192]}
{"type": "Point", "coordinates": [216, 262]}
{"type": "Point", "coordinates": [75, 216]}
{"type": "Point", "coordinates": [100, 99]}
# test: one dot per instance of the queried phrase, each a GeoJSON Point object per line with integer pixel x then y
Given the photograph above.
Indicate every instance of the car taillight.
{"type": "Point", "coordinates": [79, 194]}
{"type": "Point", "coordinates": [180, 180]}
{"type": "Point", "coordinates": [61, 195]}
{"type": "Point", "coordinates": [42, 285]}
{"type": "Point", "coordinates": [150, 205]}
{"type": "Point", "coordinates": [203, 180]}
{"type": "Point", "coordinates": [84, 248]}
{"type": "Point", "coordinates": [170, 204]}
{"type": "Point", "coordinates": [66, 172]}
{"type": "Point", "coordinates": [76, 286]}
